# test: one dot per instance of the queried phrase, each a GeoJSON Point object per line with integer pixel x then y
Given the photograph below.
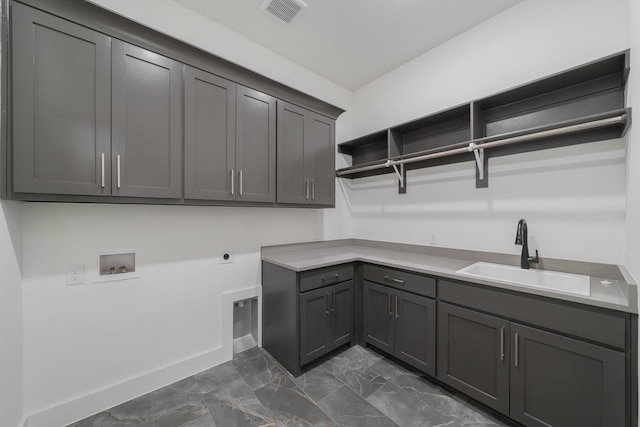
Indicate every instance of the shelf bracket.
{"type": "Point", "coordinates": [481, 165]}
{"type": "Point", "coordinates": [402, 176]}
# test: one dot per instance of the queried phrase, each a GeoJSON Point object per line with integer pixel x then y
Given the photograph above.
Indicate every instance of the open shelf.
{"type": "Point", "coordinates": [581, 105]}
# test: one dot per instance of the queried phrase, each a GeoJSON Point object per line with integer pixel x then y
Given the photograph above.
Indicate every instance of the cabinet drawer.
{"type": "Point", "coordinates": [324, 277]}
{"type": "Point", "coordinates": [596, 325]}
{"type": "Point", "coordinates": [406, 281]}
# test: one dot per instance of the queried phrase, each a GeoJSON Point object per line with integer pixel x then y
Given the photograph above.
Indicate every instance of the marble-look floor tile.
{"type": "Point", "coordinates": [347, 408]}
{"type": "Point", "coordinates": [317, 383]}
{"type": "Point", "coordinates": [290, 406]}
{"type": "Point", "coordinates": [216, 377]}
{"type": "Point", "coordinates": [235, 405]}
{"type": "Point", "coordinates": [134, 413]}
{"type": "Point", "coordinates": [180, 404]}
{"type": "Point", "coordinates": [258, 368]}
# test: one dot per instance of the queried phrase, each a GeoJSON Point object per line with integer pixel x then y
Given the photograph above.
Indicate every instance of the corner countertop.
{"type": "Point", "coordinates": [620, 294]}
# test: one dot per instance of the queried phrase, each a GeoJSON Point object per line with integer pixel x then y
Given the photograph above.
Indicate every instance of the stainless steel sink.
{"type": "Point", "coordinates": [576, 284]}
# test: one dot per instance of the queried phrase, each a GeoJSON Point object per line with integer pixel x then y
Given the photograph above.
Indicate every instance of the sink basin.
{"type": "Point", "coordinates": [575, 284]}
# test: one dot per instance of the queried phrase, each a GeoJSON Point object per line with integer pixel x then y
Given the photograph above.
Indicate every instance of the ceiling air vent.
{"type": "Point", "coordinates": [284, 10]}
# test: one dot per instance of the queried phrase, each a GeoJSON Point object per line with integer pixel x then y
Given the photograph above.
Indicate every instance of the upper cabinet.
{"type": "Point", "coordinates": [92, 115]}
{"type": "Point", "coordinates": [61, 106]}
{"type": "Point", "coordinates": [146, 130]}
{"type": "Point", "coordinates": [306, 158]}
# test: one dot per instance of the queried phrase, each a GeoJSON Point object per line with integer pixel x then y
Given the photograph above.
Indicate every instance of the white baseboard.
{"type": "Point", "coordinates": [87, 405]}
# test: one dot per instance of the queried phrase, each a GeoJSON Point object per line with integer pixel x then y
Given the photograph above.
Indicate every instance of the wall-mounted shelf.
{"type": "Point", "coordinates": [581, 105]}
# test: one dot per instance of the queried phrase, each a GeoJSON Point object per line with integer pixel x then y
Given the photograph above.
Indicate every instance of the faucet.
{"type": "Point", "coordinates": [522, 238]}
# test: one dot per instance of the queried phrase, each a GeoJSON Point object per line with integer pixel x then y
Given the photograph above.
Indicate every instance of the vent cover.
{"type": "Point", "coordinates": [284, 10]}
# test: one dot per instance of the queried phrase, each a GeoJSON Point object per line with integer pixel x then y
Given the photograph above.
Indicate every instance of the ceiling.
{"type": "Point", "coordinates": [352, 42]}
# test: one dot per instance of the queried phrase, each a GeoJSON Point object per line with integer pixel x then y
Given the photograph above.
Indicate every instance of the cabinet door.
{"type": "Point", "coordinates": [559, 381]}
{"type": "Point", "coordinates": [209, 136]}
{"type": "Point", "coordinates": [315, 315]}
{"type": "Point", "coordinates": [293, 184]}
{"type": "Point", "coordinates": [473, 356]}
{"type": "Point", "coordinates": [146, 123]}
{"type": "Point", "coordinates": [341, 313]}
{"type": "Point", "coordinates": [256, 146]}
{"type": "Point", "coordinates": [61, 106]}
{"type": "Point", "coordinates": [379, 323]}
{"type": "Point", "coordinates": [415, 334]}
{"type": "Point", "coordinates": [319, 152]}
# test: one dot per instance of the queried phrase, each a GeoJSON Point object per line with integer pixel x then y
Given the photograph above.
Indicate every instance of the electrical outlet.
{"type": "Point", "coordinates": [433, 238]}
{"type": "Point", "coordinates": [75, 274]}
{"type": "Point", "coordinates": [226, 257]}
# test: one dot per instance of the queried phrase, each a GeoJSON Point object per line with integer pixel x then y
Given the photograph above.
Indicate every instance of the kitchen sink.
{"type": "Point", "coordinates": [576, 284]}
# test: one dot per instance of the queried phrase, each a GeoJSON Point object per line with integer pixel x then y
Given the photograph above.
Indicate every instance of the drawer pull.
{"type": "Point", "coordinates": [394, 280]}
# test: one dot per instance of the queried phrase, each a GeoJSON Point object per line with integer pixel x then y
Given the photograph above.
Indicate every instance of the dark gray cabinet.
{"type": "Point", "coordinates": [538, 378]}
{"type": "Point", "coordinates": [146, 123]}
{"type": "Point", "coordinates": [306, 314]}
{"type": "Point", "coordinates": [230, 141]}
{"type": "Point", "coordinates": [305, 156]}
{"type": "Point", "coordinates": [398, 322]}
{"type": "Point", "coordinates": [473, 354]}
{"type": "Point", "coordinates": [326, 320]}
{"type": "Point", "coordinates": [560, 381]}
{"type": "Point", "coordinates": [61, 106]}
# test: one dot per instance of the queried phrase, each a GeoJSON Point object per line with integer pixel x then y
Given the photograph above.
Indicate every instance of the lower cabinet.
{"type": "Point", "coordinates": [326, 320]}
{"type": "Point", "coordinates": [402, 324]}
{"type": "Point", "coordinates": [536, 377]}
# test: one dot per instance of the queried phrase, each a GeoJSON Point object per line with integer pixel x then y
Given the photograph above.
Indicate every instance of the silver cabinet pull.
{"type": "Point", "coordinates": [394, 280]}
{"type": "Point", "coordinates": [397, 312]}
{"type": "Point", "coordinates": [313, 189]}
{"type": "Point", "coordinates": [306, 189]}
{"type": "Point", "coordinates": [233, 176]}
{"type": "Point", "coordinates": [333, 309]}
{"type": "Point", "coordinates": [390, 312]}
{"type": "Point", "coordinates": [118, 164]}
{"type": "Point", "coordinates": [326, 303]}
{"type": "Point", "coordinates": [102, 169]}
{"type": "Point", "coordinates": [517, 355]}
{"type": "Point", "coordinates": [501, 343]}
{"type": "Point", "coordinates": [240, 182]}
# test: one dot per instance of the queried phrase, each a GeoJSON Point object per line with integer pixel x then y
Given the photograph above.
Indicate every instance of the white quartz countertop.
{"type": "Point", "coordinates": [617, 294]}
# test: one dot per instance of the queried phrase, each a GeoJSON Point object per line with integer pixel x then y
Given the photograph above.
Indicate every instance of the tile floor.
{"type": "Point", "coordinates": [354, 387]}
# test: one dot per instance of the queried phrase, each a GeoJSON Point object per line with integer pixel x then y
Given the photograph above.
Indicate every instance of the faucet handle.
{"type": "Point", "coordinates": [535, 260]}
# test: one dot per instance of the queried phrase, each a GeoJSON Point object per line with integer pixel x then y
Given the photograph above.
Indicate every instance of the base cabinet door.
{"type": "Point", "coordinates": [415, 334]}
{"type": "Point", "coordinates": [378, 316]}
{"type": "Point", "coordinates": [341, 314]}
{"type": "Point", "coordinates": [473, 354]}
{"type": "Point", "coordinates": [563, 382]}
{"type": "Point", "coordinates": [315, 315]}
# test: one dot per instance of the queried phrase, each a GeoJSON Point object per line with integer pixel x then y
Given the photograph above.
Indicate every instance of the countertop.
{"type": "Point", "coordinates": [620, 294]}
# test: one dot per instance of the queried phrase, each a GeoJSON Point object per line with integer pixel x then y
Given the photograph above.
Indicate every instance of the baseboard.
{"type": "Point", "coordinates": [77, 409]}
{"type": "Point", "coordinates": [85, 406]}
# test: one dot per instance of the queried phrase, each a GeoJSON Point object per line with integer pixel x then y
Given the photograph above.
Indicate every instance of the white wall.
{"type": "Point", "coordinates": [11, 397]}
{"type": "Point", "coordinates": [572, 197]}
{"type": "Point", "coordinates": [633, 160]}
{"type": "Point", "coordinates": [90, 346]}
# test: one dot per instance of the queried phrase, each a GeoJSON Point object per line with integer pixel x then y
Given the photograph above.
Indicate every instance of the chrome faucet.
{"type": "Point", "coordinates": [522, 238]}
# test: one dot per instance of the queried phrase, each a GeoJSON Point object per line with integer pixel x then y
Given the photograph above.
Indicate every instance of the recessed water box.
{"type": "Point", "coordinates": [117, 265]}
{"type": "Point", "coordinates": [245, 325]}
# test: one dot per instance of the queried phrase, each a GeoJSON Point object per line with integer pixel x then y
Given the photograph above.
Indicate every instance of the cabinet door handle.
{"type": "Point", "coordinates": [240, 182]}
{"type": "Point", "coordinates": [394, 280]}
{"type": "Point", "coordinates": [233, 176]}
{"type": "Point", "coordinates": [118, 165]}
{"type": "Point", "coordinates": [326, 303]}
{"type": "Point", "coordinates": [333, 309]}
{"type": "Point", "coordinates": [390, 312]}
{"type": "Point", "coordinates": [313, 189]}
{"type": "Point", "coordinates": [501, 343]}
{"type": "Point", "coordinates": [102, 169]}
{"type": "Point", "coordinates": [306, 189]}
{"type": "Point", "coordinates": [397, 312]}
{"type": "Point", "coordinates": [517, 351]}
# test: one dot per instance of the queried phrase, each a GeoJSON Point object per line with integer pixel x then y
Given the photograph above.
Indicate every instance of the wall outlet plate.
{"type": "Point", "coordinates": [434, 238]}
{"type": "Point", "coordinates": [226, 257]}
{"type": "Point", "coordinates": [75, 274]}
